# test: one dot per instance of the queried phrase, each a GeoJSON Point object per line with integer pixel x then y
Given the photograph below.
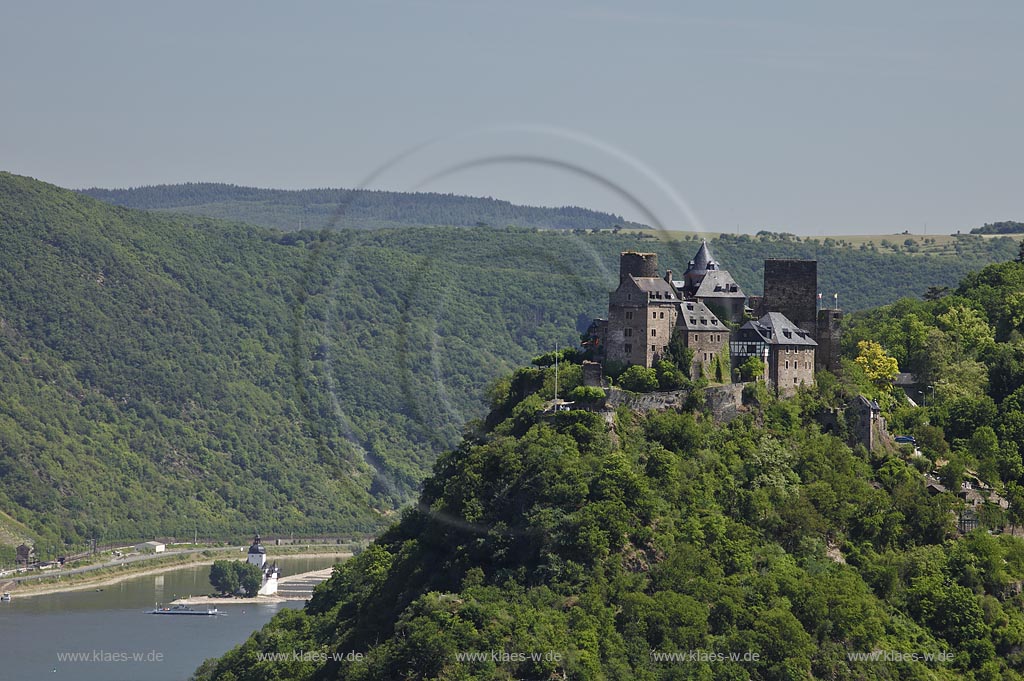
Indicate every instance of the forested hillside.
{"type": "Point", "coordinates": [350, 208]}
{"type": "Point", "coordinates": [163, 375]}
{"type": "Point", "coordinates": [863, 277]}
{"type": "Point", "coordinates": [166, 374]}
{"type": "Point", "coordinates": [567, 546]}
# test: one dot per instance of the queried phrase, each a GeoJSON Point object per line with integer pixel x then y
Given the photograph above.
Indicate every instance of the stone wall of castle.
{"type": "Point", "coordinates": [706, 346]}
{"type": "Point", "coordinates": [792, 367]}
{"type": "Point", "coordinates": [638, 264]}
{"type": "Point", "coordinates": [829, 334]}
{"type": "Point", "coordinates": [791, 287]}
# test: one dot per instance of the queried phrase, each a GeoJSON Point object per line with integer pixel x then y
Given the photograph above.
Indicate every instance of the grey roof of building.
{"type": "Point", "coordinates": [695, 316]}
{"type": "Point", "coordinates": [774, 328]}
{"type": "Point", "coordinates": [865, 402]}
{"type": "Point", "coordinates": [655, 285]}
{"type": "Point", "coordinates": [719, 284]}
{"type": "Point", "coordinates": [703, 261]}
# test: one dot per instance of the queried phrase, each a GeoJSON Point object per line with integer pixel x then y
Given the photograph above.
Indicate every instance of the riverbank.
{"type": "Point", "coordinates": [290, 588]}
{"type": "Point", "coordinates": [110, 576]}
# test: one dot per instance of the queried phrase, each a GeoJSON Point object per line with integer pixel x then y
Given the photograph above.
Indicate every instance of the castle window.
{"type": "Point", "coordinates": [628, 347]}
{"type": "Point", "coordinates": [787, 363]}
{"type": "Point", "coordinates": [654, 315]}
{"type": "Point", "coordinates": [705, 356]}
{"type": "Point", "coordinates": [654, 332]}
{"type": "Point", "coordinates": [693, 338]}
{"type": "Point", "coordinates": [653, 349]}
{"type": "Point", "coordinates": [693, 320]}
{"type": "Point", "coordinates": [627, 332]}
{"type": "Point", "coordinates": [662, 315]}
{"type": "Point", "coordinates": [629, 315]}
{"type": "Point", "coordinates": [794, 380]}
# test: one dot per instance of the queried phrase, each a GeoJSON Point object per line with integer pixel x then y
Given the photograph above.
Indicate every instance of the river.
{"type": "Point", "coordinates": [47, 636]}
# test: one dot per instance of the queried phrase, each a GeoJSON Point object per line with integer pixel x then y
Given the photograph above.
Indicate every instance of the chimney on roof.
{"type": "Point", "coordinates": [668, 277]}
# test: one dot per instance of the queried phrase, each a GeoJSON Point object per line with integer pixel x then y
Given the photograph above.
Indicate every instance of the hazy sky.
{"type": "Point", "coordinates": [814, 118]}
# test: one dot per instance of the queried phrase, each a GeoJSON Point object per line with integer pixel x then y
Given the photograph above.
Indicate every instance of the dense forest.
{"type": "Point", "coordinates": [316, 209]}
{"type": "Point", "coordinates": [1005, 227]}
{"type": "Point", "coordinates": [169, 374]}
{"type": "Point", "coordinates": [583, 545]}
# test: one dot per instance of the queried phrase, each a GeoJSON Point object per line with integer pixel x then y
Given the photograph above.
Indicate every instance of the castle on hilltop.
{"type": "Point", "coordinates": [715, 319]}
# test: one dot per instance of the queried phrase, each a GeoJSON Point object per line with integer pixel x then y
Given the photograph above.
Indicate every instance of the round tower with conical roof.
{"type": "Point", "coordinates": [698, 268]}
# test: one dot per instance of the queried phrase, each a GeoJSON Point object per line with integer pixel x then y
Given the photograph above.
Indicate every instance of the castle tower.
{"type": "Point", "coordinates": [637, 265]}
{"type": "Point", "coordinates": [705, 281]}
{"type": "Point", "coordinates": [257, 554]}
{"type": "Point", "coordinates": [791, 287]}
{"type": "Point", "coordinates": [827, 355]}
{"type": "Point", "coordinates": [698, 268]}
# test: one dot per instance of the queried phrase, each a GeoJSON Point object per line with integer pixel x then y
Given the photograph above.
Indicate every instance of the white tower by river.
{"type": "Point", "coordinates": [258, 557]}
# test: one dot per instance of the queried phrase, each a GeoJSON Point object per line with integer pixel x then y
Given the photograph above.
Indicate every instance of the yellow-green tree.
{"type": "Point", "coordinates": [878, 365]}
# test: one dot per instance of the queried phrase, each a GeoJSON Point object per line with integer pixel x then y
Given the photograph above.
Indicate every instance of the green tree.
{"type": "Point", "coordinates": [669, 375]}
{"type": "Point", "coordinates": [878, 365]}
{"type": "Point", "coordinates": [639, 379]}
{"type": "Point", "coordinates": [250, 577]}
{"type": "Point", "coordinates": [224, 576]}
{"type": "Point", "coordinates": [678, 353]}
{"type": "Point", "coordinates": [751, 369]}
{"type": "Point", "coordinates": [968, 328]}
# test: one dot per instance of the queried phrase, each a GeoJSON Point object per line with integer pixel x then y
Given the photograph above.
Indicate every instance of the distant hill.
{"type": "Point", "coordinates": [348, 208]}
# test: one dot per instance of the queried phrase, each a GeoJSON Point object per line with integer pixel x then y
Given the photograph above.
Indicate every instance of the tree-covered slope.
{"type": "Point", "coordinates": [349, 208]}
{"type": "Point", "coordinates": [863, 277]}
{"type": "Point", "coordinates": [148, 383]}
{"type": "Point", "coordinates": [558, 546]}
{"type": "Point", "coordinates": [162, 373]}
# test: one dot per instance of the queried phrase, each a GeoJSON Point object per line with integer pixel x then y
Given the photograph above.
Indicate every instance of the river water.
{"type": "Point", "coordinates": [47, 637]}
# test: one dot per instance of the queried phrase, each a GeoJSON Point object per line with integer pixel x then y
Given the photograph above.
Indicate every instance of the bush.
{"type": "Point", "coordinates": [669, 376]}
{"type": "Point", "coordinates": [639, 379]}
{"type": "Point", "coordinates": [752, 369]}
{"type": "Point", "coordinates": [231, 576]}
{"type": "Point", "coordinates": [586, 394]}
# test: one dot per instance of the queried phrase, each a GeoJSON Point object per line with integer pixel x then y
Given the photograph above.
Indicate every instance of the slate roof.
{"type": "Point", "coordinates": [695, 316]}
{"type": "Point", "coordinates": [719, 284]}
{"type": "Point", "coordinates": [703, 261]}
{"type": "Point", "coordinates": [775, 329]}
{"type": "Point", "coordinates": [655, 285]}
